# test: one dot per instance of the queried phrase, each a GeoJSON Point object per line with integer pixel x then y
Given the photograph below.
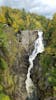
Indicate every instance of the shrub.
{"type": "Point", "coordinates": [3, 64]}
{"type": "Point", "coordinates": [4, 97]}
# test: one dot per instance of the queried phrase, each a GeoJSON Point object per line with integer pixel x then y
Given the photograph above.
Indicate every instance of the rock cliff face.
{"type": "Point", "coordinates": [20, 67]}
{"type": "Point", "coordinates": [20, 45]}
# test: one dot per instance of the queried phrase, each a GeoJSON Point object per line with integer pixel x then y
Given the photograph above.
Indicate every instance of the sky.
{"type": "Point", "coordinates": [41, 7]}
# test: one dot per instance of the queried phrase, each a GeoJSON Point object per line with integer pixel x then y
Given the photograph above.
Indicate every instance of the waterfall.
{"type": "Point", "coordinates": [38, 48]}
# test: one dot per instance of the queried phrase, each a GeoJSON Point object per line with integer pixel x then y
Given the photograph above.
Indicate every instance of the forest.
{"type": "Point", "coordinates": [11, 22]}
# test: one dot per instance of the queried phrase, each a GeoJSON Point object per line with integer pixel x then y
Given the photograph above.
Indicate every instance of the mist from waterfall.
{"type": "Point", "coordinates": [38, 48]}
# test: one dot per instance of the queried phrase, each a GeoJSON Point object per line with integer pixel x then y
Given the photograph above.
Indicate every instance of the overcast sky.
{"type": "Point", "coordinates": [42, 7]}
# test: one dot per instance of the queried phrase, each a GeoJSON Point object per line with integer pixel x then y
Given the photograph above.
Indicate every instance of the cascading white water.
{"type": "Point", "coordinates": [38, 48]}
